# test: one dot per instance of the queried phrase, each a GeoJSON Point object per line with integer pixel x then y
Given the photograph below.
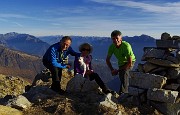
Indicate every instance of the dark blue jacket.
{"type": "Point", "coordinates": [55, 56]}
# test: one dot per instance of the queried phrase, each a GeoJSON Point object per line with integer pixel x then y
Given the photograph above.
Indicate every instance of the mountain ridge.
{"type": "Point", "coordinates": [24, 42]}
{"type": "Point", "coordinates": [19, 64]}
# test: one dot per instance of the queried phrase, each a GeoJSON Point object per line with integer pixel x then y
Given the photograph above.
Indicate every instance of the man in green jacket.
{"type": "Point", "coordinates": [125, 56]}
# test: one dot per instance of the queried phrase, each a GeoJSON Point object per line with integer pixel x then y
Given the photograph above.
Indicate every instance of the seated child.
{"type": "Point", "coordinates": [82, 65]}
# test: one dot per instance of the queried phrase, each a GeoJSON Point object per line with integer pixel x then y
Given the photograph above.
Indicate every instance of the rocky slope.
{"type": "Point", "coordinates": [17, 63]}
{"type": "Point", "coordinates": [41, 100]}
{"type": "Point", "coordinates": [10, 85]}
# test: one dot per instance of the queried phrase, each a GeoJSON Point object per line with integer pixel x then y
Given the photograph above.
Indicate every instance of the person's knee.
{"type": "Point", "coordinates": [95, 74]}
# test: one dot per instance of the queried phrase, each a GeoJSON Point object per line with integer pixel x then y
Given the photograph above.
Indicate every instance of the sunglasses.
{"type": "Point", "coordinates": [84, 49]}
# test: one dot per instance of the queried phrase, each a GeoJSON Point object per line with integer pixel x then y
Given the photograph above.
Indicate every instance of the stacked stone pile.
{"type": "Point", "coordinates": [158, 78]}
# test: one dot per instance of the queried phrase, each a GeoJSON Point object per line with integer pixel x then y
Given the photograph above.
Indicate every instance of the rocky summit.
{"type": "Point", "coordinates": [39, 99]}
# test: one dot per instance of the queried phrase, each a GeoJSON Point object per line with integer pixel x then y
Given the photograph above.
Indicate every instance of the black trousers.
{"type": "Point", "coordinates": [95, 76]}
{"type": "Point", "coordinates": [56, 75]}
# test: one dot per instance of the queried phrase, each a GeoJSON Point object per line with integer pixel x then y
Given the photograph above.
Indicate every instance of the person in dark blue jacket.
{"type": "Point", "coordinates": [53, 60]}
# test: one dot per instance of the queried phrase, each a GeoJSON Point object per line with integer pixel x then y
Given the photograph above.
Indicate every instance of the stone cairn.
{"type": "Point", "coordinates": [158, 78]}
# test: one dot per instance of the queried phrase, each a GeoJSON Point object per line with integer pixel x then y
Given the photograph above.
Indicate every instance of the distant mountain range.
{"type": "Point", "coordinates": [25, 53]}
{"type": "Point", "coordinates": [24, 42]}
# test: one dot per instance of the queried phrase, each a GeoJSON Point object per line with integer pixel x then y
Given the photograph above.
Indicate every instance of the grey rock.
{"type": "Point", "coordinates": [178, 80]}
{"type": "Point", "coordinates": [164, 63]}
{"type": "Point", "coordinates": [167, 108]}
{"type": "Point", "coordinates": [173, 59]}
{"type": "Point", "coordinates": [140, 67]}
{"type": "Point", "coordinates": [135, 91]}
{"type": "Point", "coordinates": [39, 93]}
{"type": "Point", "coordinates": [172, 86]}
{"type": "Point", "coordinates": [159, 71]}
{"type": "Point", "coordinates": [162, 95]}
{"type": "Point", "coordinates": [19, 102]}
{"type": "Point", "coordinates": [146, 81]}
{"type": "Point", "coordinates": [178, 55]}
{"type": "Point", "coordinates": [165, 36]}
{"type": "Point", "coordinates": [80, 84]}
{"type": "Point", "coordinates": [176, 37]}
{"type": "Point", "coordinates": [168, 44]}
{"type": "Point", "coordinates": [152, 53]}
{"type": "Point", "coordinates": [173, 73]}
{"type": "Point", "coordinates": [148, 67]}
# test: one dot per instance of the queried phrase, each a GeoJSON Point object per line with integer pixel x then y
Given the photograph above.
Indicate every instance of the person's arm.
{"type": "Point", "coordinates": [90, 63]}
{"type": "Point", "coordinates": [90, 71]}
{"type": "Point", "coordinates": [72, 52]}
{"type": "Point", "coordinates": [108, 62]}
{"type": "Point", "coordinates": [129, 64]}
{"type": "Point", "coordinates": [54, 60]}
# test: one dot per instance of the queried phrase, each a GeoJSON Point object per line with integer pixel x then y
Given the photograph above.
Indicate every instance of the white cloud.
{"type": "Point", "coordinates": [13, 16]}
{"type": "Point", "coordinates": [3, 20]}
{"type": "Point", "coordinates": [170, 8]}
{"type": "Point", "coordinates": [64, 10]}
{"type": "Point", "coordinates": [18, 24]}
{"type": "Point", "coordinates": [99, 18]}
{"type": "Point", "coordinates": [56, 24]}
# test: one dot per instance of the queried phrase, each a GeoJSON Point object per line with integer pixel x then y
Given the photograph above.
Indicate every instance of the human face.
{"type": "Point", "coordinates": [117, 40]}
{"type": "Point", "coordinates": [85, 50]}
{"type": "Point", "coordinates": [65, 45]}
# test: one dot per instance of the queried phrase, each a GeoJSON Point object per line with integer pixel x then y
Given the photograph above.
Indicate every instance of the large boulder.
{"type": "Point", "coordinates": [146, 81]}
{"type": "Point", "coordinates": [39, 93]}
{"type": "Point", "coordinates": [162, 95]}
{"type": "Point", "coordinates": [80, 84]}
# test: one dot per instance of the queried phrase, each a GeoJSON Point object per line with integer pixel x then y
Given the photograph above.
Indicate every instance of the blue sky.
{"type": "Point", "coordinates": [90, 17]}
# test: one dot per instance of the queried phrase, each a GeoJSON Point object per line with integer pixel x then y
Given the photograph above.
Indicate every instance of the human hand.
{"type": "Point", "coordinates": [88, 72]}
{"type": "Point", "coordinates": [114, 72]}
{"type": "Point", "coordinates": [68, 66]}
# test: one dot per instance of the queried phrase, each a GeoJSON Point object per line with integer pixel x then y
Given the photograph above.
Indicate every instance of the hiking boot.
{"type": "Point", "coordinates": [112, 92]}
{"type": "Point", "coordinates": [116, 95]}
{"type": "Point", "coordinates": [55, 86]}
{"type": "Point", "coordinates": [106, 91]}
{"type": "Point", "coordinates": [120, 92]}
{"type": "Point", "coordinates": [124, 96]}
{"type": "Point", "coordinates": [60, 91]}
